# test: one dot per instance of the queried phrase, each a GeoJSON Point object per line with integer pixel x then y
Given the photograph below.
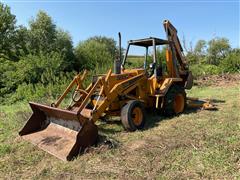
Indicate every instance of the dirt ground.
{"type": "Point", "coordinates": [218, 80]}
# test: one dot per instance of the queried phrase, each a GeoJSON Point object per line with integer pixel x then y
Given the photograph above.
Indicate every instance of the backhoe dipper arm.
{"type": "Point", "coordinates": [171, 33]}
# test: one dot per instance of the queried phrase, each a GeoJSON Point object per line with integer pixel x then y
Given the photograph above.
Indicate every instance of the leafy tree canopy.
{"type": "Point", "coordinates": [218, 48]}
{"type": "Point", "coordinates": [7, 32]}
{"type": "Point", "coordinates": [96, 52]}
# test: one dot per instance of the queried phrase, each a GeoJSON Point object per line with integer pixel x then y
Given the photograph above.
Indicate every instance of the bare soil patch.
{"type": "Point", "coordinates": [218, 80]}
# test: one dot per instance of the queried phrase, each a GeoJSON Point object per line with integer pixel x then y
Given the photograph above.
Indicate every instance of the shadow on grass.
{"type": "Point", "coordinates": [155, 117]}
{"type": "Point", "coordinates": [217, 101]}
{"type": "Point", "coordinates": [103, 144]}
{"type": "Point", "coordinates": [109, 127]}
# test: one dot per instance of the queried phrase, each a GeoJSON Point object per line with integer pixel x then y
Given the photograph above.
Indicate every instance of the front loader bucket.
{"type": "Point", "coordinates": [61, 133]}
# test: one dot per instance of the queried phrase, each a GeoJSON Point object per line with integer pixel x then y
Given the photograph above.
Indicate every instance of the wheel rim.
{"type": "Point", "coordinates": [137, 116]}
{"type": "Point", "coordinates": [178, 104]}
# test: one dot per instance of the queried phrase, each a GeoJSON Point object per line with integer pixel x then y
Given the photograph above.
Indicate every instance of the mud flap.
{"type": "Point", "coordinates": [61, 133]}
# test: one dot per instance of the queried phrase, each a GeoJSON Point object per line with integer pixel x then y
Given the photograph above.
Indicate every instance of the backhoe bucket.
{"type": "Point", "coordinates": [200, 103]}
{"type": "Point", "coordinates": [61, 133]}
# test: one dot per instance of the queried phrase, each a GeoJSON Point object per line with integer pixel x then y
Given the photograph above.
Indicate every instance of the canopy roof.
{"type": "Point", "coordinates": [148, 42]}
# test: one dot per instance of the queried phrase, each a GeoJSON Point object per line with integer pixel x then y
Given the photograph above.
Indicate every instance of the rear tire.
{"type": "Point", "coordinates": [133, 115]}
{"type": "Point", "coordinates": [174, 101]}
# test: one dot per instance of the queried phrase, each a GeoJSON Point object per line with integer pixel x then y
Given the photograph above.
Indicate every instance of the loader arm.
{"type": "Point", "coordinates": [119, 89]}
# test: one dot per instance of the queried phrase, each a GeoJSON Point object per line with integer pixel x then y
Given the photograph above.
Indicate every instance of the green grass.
{"type": "Point", "coordinates": [197, 144]}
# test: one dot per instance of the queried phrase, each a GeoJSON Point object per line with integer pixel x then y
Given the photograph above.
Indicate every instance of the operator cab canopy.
{"type": "Point", "coordinates": [142, 61]}
{"type": "Point", "coordinates": [146, 42]}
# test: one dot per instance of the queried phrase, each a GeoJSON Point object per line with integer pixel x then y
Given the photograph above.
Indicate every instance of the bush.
{"type": "Point", "coordinates": [31, 69]}
{"type": "Point", "coordinates": [40, 92]}
{"type": "Point", "coordinates": [231, 63]}
{"type": "Point", "coordinates": [204, 69]}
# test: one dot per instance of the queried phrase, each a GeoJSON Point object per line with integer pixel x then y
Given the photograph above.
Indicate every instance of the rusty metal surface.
{"type": "Point", "coordinates": [86, 113]}
{"type": "Point", "coordinates": [36, 122]}
{"type": "Point", "coordinates": [63, 142]}
{"type": "Point", "coordinates": [200, 103]}
{"type": "Point", "coordinates": [59, 132]}
{"type": "Point", "coordinates": [42, 114]}
{"type": "Point", "coordinates": [86, 137]}
{"type": "Point", "coordinates": [55, 139]}
{"type": "Point", "coordinates": [55, 112]}
{"type": "Point", "coordinates": [189, 82]}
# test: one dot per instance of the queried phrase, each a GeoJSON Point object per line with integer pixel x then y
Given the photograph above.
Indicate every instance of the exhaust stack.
{"type": "Point", "coordinates": [118, 60]}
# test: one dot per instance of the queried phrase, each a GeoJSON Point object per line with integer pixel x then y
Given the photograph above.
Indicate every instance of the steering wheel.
{"type": "Point", "coordinates": [150, 70]}
{"type": "Point", "coordinates": [79, 94]}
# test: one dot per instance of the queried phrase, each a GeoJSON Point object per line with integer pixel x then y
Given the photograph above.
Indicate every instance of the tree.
{"type": "Point", "coordinates": [22, 42]}
{"type": "Point", "coordinates": [63, 45]}
{"type": "Point", "coordinates": [231, 63]}
{"type": "Point", "coordinates": [96, 52]}
{"type": "Point", "coordinates": [199, 52]}
{"type": "Point", "coordinates": [200, 48]}
{"type": "Point", "coordinates": [108, 42]}
{"type": "Point", "coordinates": [218, 48]}
{"type": "Point", "coordinates": [189, 51]}
{"type": "Point", "coordinates": [7, 32]}
{"type": "Point", "coordinates": [44, 37]}
{"type": "Point", "coordinates": [42, 33]}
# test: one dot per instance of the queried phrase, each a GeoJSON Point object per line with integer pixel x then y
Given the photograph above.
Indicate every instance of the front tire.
{"type": "Point", "coordinates": [133, 115]}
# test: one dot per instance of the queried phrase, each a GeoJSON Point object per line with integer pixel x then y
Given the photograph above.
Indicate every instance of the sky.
{"type": "Point", "coordinates": [199, 19]}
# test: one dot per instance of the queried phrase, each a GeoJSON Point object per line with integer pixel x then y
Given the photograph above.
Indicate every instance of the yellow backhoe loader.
{"type": "Point", "coordinates": [66, 132]}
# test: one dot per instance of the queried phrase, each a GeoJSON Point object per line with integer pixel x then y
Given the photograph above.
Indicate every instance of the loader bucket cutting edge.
{"type": "Point", "coordinates": [59, 132]}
